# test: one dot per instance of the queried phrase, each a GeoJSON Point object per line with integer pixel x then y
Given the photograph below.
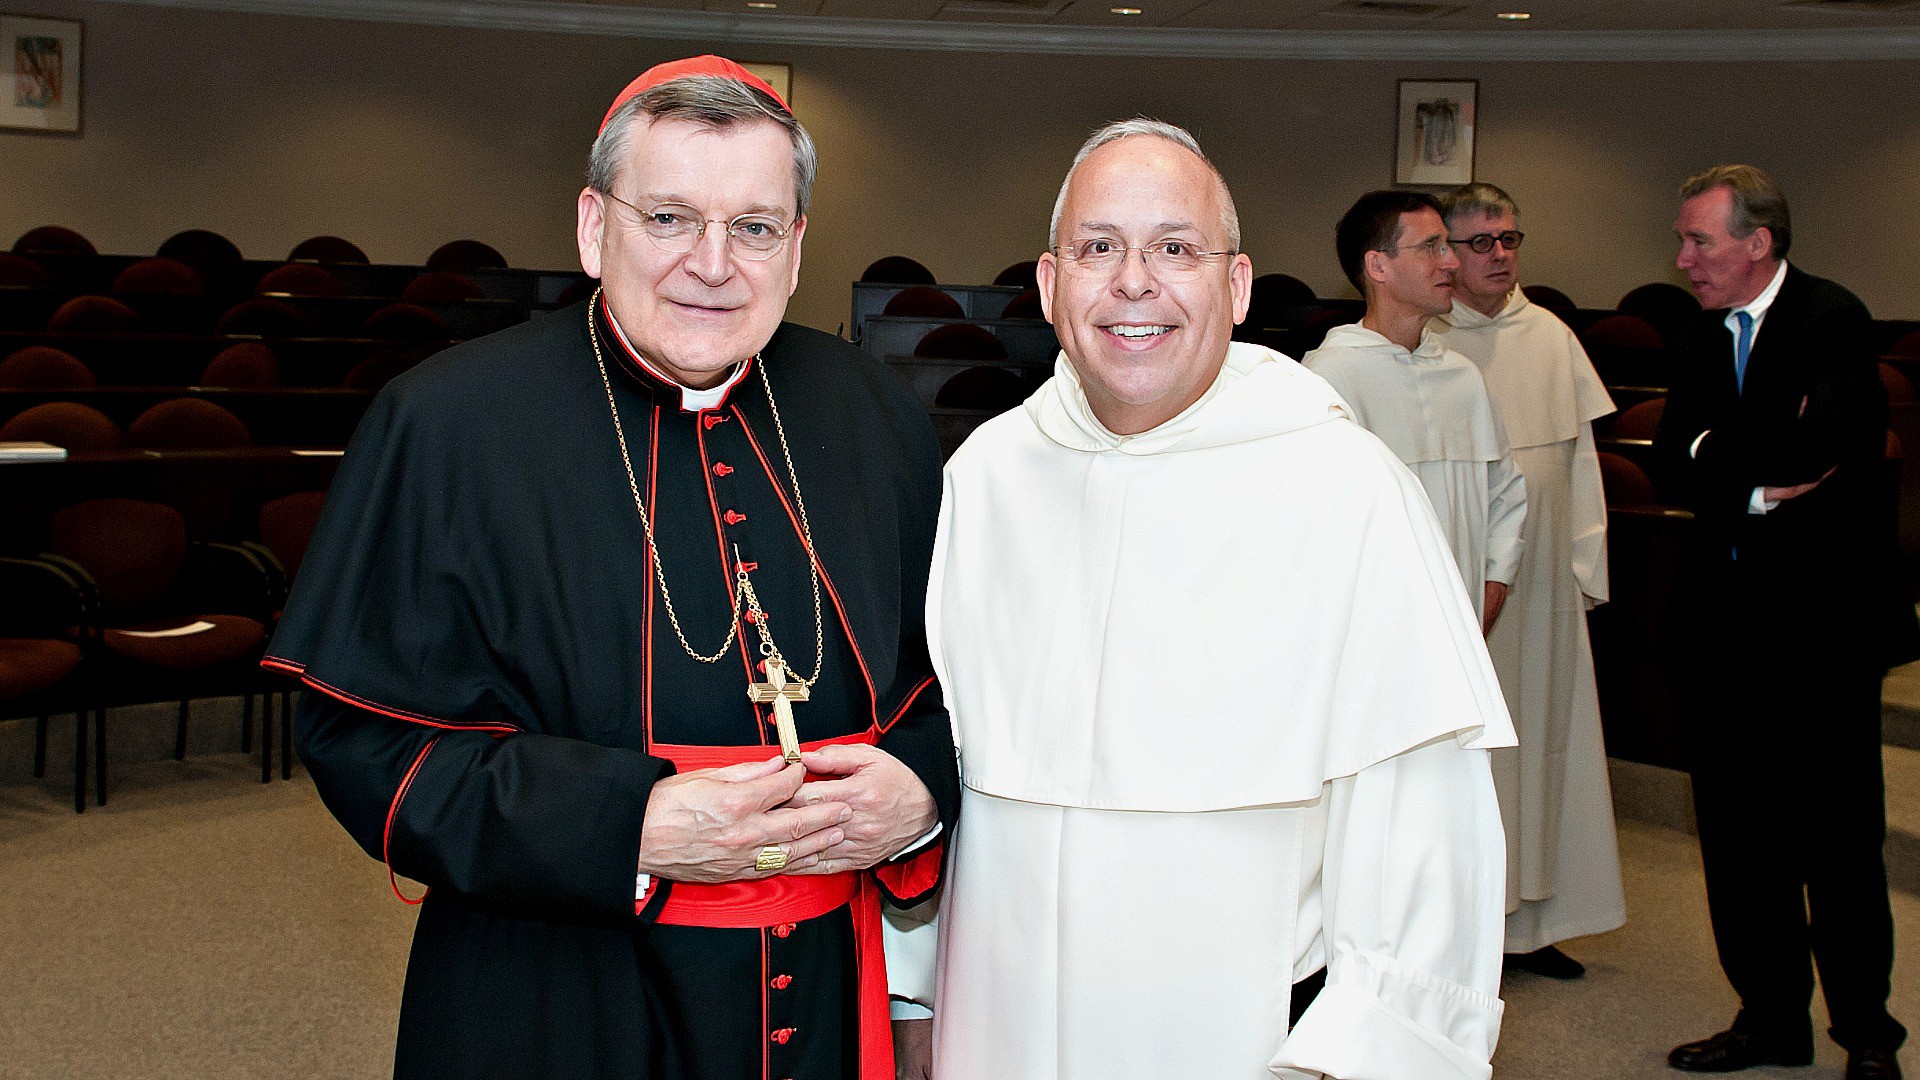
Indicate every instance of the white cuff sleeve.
{"type": "Point", "coordinates": [920, 843]}
{"type": "Point", "coordinates": [1378, 1018]}
{"type": "Point", "coordinates": [1693, 451]}
{"type": "Point", "coordinates": [1759, 503]}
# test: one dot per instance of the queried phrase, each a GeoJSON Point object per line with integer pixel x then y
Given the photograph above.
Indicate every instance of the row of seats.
{"type": "Point", "coordinates": [244, 365]}
{"type": "Point", "coordinates": [203, 247]}
{"type": "Point", "coordinates": [277, 315]}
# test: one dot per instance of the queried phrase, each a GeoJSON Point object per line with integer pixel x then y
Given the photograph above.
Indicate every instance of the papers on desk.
{"type": "Point", "coordinates": [196, 627]}
{"type": "Point", "coordinates": [319, 453]}
{"type": "Point", "coordinates": [31, 451]}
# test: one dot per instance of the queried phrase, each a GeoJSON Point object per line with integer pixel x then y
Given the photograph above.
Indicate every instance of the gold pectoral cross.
{"type": "Point", "coordinates": [782, 694]}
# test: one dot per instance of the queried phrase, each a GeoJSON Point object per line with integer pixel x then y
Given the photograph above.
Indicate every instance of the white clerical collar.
{"type": "Point", "coordinates": [1360, 336]}
{"type": "Point", "coordinates": [691, 400]}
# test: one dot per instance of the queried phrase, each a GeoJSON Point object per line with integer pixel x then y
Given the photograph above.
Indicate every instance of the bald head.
{"type": "Point", "coordinates": [1174, 137]}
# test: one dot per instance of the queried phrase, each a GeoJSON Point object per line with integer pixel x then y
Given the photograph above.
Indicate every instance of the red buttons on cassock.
{"type": "Point", "coordinates": [712, 419]}
{"type": "Point", "coordinates": [784, 929]}
{"type": "Point", "coordinates": [721, 468]}
{"type": "Point", "coordinates": [781, 982]}
{"type": "Point", "coordinates": [781, 1035]}
{"type": "Point", "coordinates": [733, 517]}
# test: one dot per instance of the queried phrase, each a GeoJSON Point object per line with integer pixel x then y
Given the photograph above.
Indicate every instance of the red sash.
{"type": "Point", "coordinates": [794, 898]}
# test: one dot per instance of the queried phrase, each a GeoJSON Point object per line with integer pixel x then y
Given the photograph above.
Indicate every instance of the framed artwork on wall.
{"type": "Point", "coordinates": [778, 76]}
{"type": "Point", "coordinates": [42, 91]}
{"type": "Point", "coordinates": [1434, 131]}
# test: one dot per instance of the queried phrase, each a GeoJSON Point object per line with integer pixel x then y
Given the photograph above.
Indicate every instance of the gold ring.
{"type": "Point", "coordinates": [771, 857]}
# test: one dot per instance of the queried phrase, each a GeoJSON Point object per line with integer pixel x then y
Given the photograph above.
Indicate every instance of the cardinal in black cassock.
{"type": "Point", "coordinates": [495, 687]}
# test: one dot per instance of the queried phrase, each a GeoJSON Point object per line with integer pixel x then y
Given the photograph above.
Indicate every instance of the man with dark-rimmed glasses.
{"type": "Point", "coordinates": [612, 634]}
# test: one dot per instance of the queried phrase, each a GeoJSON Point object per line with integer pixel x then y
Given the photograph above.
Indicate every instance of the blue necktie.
{"type": "Point", "coordinates": [1740, 350]}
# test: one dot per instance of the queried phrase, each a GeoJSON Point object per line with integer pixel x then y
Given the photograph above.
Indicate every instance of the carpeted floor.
{"type": "Point", "coordinates": [205, 926]}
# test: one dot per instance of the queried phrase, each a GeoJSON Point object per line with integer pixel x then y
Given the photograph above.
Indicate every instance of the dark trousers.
{"type": "Point", "coordinates": [1790, 799]}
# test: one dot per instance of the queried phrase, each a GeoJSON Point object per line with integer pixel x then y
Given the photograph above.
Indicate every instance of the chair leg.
{"type": "Point", "coordinates": [79, 763]}
{"type": "Point", "coordinates": [246, 724]}
{"type": "Point", "coordinates": [266, 739]}
{"type": "Point", "coordinates": [286, 735]}
{"type": "Point", "coordinates": [40, 747]}
{"type": "Point", "coordinates": [100, 756]}
{"type": "Point", "coordinates": [180, 735]}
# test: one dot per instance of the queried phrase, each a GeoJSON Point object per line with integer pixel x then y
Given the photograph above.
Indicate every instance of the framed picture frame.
{"type": "Point", "coordinates": [1436, 121]}
{"type": "Point", "coordinates": [43, 67]}
{"type": "Point", "coordinates": [778, 76]}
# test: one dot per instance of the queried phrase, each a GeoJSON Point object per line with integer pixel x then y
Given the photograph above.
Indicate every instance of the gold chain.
{"type": "Point", "coordinates": [743, 585]}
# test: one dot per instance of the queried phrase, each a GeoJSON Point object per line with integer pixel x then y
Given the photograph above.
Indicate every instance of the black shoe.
{"type": "Point", "coordinates": [1872, 1065]}
{"type": "Point", "coordinates": [1549, 961]}
{"type": "Point", "coordinates": [1731, 1051]}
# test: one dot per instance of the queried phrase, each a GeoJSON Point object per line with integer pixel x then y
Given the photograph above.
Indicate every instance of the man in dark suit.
{"type": "Point", "coordinates": [1787, 619]}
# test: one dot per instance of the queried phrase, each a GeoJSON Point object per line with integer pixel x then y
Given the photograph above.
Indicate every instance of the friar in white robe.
{"type": "Point", "coordinates": [1221, 701]}
{"type": "Point", "coordinates": [1428, 404]}
{"type": "Point", "coordinates": [1563, 864]}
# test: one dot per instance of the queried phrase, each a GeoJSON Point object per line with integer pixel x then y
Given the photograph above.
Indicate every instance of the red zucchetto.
{"type": "Point", "coordinates": [692, 65]}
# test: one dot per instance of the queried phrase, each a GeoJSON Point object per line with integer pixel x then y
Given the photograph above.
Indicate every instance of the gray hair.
{"type": "Point", "coordinates": [1159, 129]}
{"type": "Point", "coordinates": [1476, 200]}
{"type": "Point", "coordinates": [711, 101]}
{"type": "Point", "coordinates": [1758, 202]}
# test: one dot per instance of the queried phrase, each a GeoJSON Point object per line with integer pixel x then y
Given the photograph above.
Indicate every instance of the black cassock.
{"type": "Point", "coordinates": [500, 687]}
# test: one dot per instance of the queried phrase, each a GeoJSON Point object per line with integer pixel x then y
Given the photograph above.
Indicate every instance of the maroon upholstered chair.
{"type": "Point", "coordinates": [200, 248]}
{"type": "Point", "coordinates": [43, 367]}
{"type": "Point", "coordinates": [287, 524]}
{"type": "Point", "coordinates": [1624, 483]}
{"type": "Point", "coordinates": [462, 255]}
{"type": "Point", "coordinates": [1623, 331]}
{"type": "Point", "coordinates": [39, 655]}
{"type": "Point", "coordinates": [246, 366]}
{"type": "Point", "coordinates": [440, 287]}
{"type": "Point", "coordinates": [175, 620]}
{"type": "Point", "coordinates": [299, 279]}
{"type": "Point", "coordinates": [1278, 300]}
{"type": "Point", "coordinates": [1907, 347]}
{"type": "Point", "coordinates": [93, 315]}
{"type": "Point", "coordinates": [53, 240]}
{"type": "Point", "coordinates": [406, 322]}
{"type": "Point", "coordinates": [994, 388]}
{"type": "Point", "coordinates": [20, 272]}
{"type": "Point", "coordinates": [1024, 305]}
{"type": "Point", "coordinates": [380, 367]}
{"type": "Point", "coordinates": [924, 302]}
{"type": "Point", "coordinates": [1640, 421]}
{"type": "Point", "coordinates": [897, 270]}
{"type": "Point", "coordinates": [264, 316]}
{"type": "Point", "coordinates": [1665, 306]}
{"type": "Point", "coordinates": [327, 249]}
{"type": "Point", "coordinates": [1022, 275]}
{"type": "Point", "coordinates": [960, 341]}
{"type": "Point", "coordinates": [187, 424]}
{"type": "Point", "coordinates": [1553, 300]}
{"type": "Point", "coordinates": [1899, 387]}
{"type": "Point", "coordinates": [78, 428]}
{"type": "Point", "coordinates": [1314, 328]}
{"type": "Point", "coordinates": [159, 277]}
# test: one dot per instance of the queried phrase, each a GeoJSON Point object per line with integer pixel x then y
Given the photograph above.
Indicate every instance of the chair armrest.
{"type": "Point", "coordinates": [45, 599]}
{"type": "Point", "coordinates": [227, 579]}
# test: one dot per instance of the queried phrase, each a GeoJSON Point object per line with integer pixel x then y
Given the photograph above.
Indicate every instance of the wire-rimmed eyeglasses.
{"type": "Point", "coordinates": [1168, 258]}
{"type": "Point", "coordinates": [676, 227]}
{"type": "Point", "coordinates": [1481, 243]}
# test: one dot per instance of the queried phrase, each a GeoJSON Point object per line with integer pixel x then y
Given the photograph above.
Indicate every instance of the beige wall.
{"type": "Point", "coordinates": [271, 129]}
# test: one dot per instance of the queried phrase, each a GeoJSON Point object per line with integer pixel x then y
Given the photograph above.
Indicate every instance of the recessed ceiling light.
{"type": "Point", "coordinates": [1517, 16]}
{"type": "Point", "coordinates": [762, 5]}
{"type": "Point", "coordinates": [1125, 10]}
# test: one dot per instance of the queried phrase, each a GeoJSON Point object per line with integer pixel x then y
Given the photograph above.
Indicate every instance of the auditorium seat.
{"type": "Point", "coordinates": [287, 524]}
{"type": "Point", "coordinates": [187, 424]}
{"type": "Point", "coordinates": [39, 653]}
{"type": "Point", "coordinates": [897, 270]}
{"type": "Point", "coordinates": [159, 276]}
{"type": "Point", "coordinates": [1279, 300]}
{"type": "Point", "coordinates": [1625, 483]}
{"type": "Point", "coordinates": [201, 249]}
{"type": "Point", "coordinates": [1899, 387]}
{"type": "Point", "coordinates": [1024, 305]}
{"type": "Point", "coordinates": [93, 315]}
{"type": "Point", "coordinates": [78, 428]}
{"type": "Point", "coordinates": [264, 316]}
{"type": "Point", "coordinates": [327, 249]}
{"type": "Point", "coordinates": [1021, 275]}
{"type": "Point", "coordinates": [463, 255]}
{"type": "Point", "coordinates": [996, 389]}
{"type": "Point", "coordinates": [1664, 305]}
{"type": "Point", "coordinates": [923, 302]}
{"type": "Point", "coordinates": [380, 367]}
{"type": "Point", "coordinates": [1639, 422]}
{"type": "Point", "coordinates": [175, 620]}
{"type": "Point", "coordinates": [1314, 328]}
{"type": "Point", "coordinates": [246, 366]}
{"type": "Point", "coordinates": [1907, 347]}
{"type": "Point", "coordinates": [961, 341]}
{"type": "Point", "coordinates": [1623, 332]}
{"type": "Point", "coordinates": [53, 240]}
{"type": "Point", "coordinates": [299, 279]}
{"type": "Point", "coordinates": [42, 367]}
{"type": "Point", "coordinates": [20, 272]}
{"type": "Point", "coordinates": [406, 322]}
{"type": "Point", "coordinates": [1553, 300]}
{"type": "Point", "coordinates": [441, 287]}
